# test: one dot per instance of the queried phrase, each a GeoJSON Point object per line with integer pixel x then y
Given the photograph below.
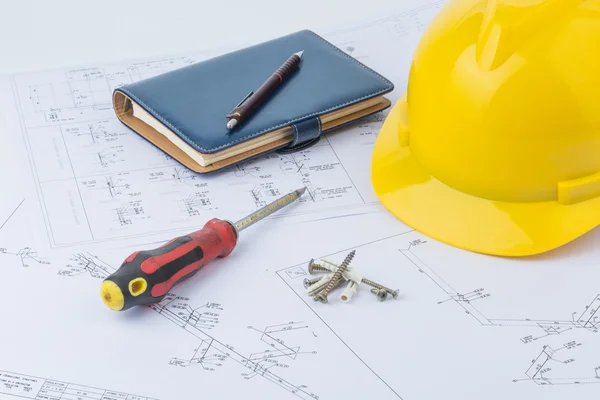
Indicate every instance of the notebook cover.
{"type": "Point", "coordinates": [193, 101]}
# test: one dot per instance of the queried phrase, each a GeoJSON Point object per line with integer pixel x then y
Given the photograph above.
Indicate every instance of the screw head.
{"type": "Point", "coordinates": [381, 294]}
{"type": "Point", "coordinates": [395, 294]}
{"type": "Point", "coordinates": [311, 264]}
{"type": "Point", "coordinates": [321, 297]}
{"type": "Point", "coordinates": [306, 283]}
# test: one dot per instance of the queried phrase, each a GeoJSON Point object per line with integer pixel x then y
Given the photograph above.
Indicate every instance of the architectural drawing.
{"type": "Point", "coordinates": [32, 387]}
{"type": "Point", "coordinates": [501, 328]}
{"type": "Point", "coordinates": [269, 352]}
{"type": "Point", "coordinates": [217, 350]}
{"type": "Point", "coordinates": [97, 182]}
{"type": "Point", "coordinates": [72, 114]}
{"type": "Point", "coordinates": [566, 344]}
{"type": "Point", "coordinates": [587, 318]}
{"type": "Point", "coordinates": [283, 345]}
{"type": "Point", "coordinates": [84, 159]}
{"type": "Point", "coordinates": [541, 370]}
{"type": "Point", "coordinates": [196, 321]}
{"type": "Point", "coordinates": [210, 353]}
{"type": "Point", "coordinates": [26, 255]}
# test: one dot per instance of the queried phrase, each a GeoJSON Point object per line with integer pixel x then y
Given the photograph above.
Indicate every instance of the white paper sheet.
{"type": "Point", "coordinates": [465, 326]}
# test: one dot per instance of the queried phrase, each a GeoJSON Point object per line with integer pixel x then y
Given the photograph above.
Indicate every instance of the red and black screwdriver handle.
{"type": "Point", "coordinates": [147, 276]}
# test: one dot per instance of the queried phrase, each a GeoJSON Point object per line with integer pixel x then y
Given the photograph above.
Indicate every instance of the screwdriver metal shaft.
{"type": "Point", "coordinates": [268, 209]}
{"type": "Point", "coordinates": [147, 276]}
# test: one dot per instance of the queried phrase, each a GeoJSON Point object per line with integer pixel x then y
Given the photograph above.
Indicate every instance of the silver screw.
{"type": "Point", "coordinates": [336, 285]}
{"type": "Point", "coordinates": [312, 267]}
{"type": "Point", "coordinates": [394, 293]}
{"type": "Point", "coordinates": [307, 282]}
{"type": "Point", "coordinates": [336, 276]}
{"type": "Point", "coordinates": [381, 294]}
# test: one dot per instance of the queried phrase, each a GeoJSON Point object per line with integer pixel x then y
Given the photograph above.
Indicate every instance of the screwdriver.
{"type": "Point", "coordinates": [147, 276]}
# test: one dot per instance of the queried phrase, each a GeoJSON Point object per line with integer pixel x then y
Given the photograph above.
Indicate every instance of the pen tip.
{"type": "Point", "coordinates": [299, 54]}
{"type": "Point", "coordinates": [231, 123]}
{"type": "Point", "coordinates": [301, 191]}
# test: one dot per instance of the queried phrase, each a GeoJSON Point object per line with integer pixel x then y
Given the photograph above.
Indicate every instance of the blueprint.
{"type": "Point", "coordinates": [80, 194]}
{"type": "Point", "coordinates": [97, 181]}
{"type": "Point", "coordinates": [471, 326]}
{"type": "Point", "coordinates": [249, 336]}
{"type": "Point", "coordinates": [32, 387]}
{"type": "Point", "coordinates": [474, 325]}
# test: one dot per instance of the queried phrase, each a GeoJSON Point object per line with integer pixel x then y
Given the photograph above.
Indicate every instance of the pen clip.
{"type": "Point", "coordinates": [245, 98]}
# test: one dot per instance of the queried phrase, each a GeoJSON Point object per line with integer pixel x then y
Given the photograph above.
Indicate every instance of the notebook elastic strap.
{"type": "Point", "coordinates": [306, 134]}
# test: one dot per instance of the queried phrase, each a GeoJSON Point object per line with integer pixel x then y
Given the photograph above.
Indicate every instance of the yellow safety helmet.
{"type": "Point", "coordinates": [495, 146]}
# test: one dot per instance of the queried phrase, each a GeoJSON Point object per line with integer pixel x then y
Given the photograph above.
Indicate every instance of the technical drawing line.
{"type": "Point", "coordinates": [434, 5]}
{"type": "Point", "coordinates": [277, 347]}
{"type": "Point", "coordinates": [33, 387]}
{"type": "Point", "coordinates": [446, 288]}
{"type": "Point", "coordinates": [542, 365]}
{"type": "Point", "coordinates": [12, 214]}
{"type": "Point", "coordinates": [588, 318]}
{"type": "Point", "coordinates": [31, 161]}
{"type": "Point", "coordinates": [279, 274]}
{"type": "Point", "coordinates": [338, 336]}
{"type": "Point", "coordinates": [25, 255]}
{"type": "Point", "coordinates": [429, 272]}
{"type": "Point", "coordinates": [591, 310]}
{"type": "Point", "coordinates": [349, 176]}
{"type": "Point", "coordinates": [62, 135]}
{"type": "Point", "coordinates": [100, 269]}
{"type": "Point", "coordinates": [71, 108]}
{"type": "Point", "coordinates": [229, 352]}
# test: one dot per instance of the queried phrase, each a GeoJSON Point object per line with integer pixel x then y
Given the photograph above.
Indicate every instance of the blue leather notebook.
{"type": "Point", "coordinates": [183, 112]}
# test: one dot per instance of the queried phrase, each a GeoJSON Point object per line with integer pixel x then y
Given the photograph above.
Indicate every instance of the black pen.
{"type": "Point", "coordinates": [253, 99]}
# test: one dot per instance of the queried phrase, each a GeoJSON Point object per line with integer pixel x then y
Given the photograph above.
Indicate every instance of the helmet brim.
{"type": "Point", "coordinates": [461, 220]}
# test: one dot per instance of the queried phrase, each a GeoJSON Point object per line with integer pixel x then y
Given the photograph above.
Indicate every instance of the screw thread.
{"type": "Point", "coordinates": [336, 284]}
{"type": "Point", "coordinates": [373, 284]}
{"type": "Point", "coordinates": [308, 282]}
{"type": "Point", "coordinates": [381, 287]}
{"type": "Point", "coordinates": [348, 259]}
{"type": "Point", "coordinates": [337, 275]}
{"type": "Point", "coordinates": [313, 267]}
